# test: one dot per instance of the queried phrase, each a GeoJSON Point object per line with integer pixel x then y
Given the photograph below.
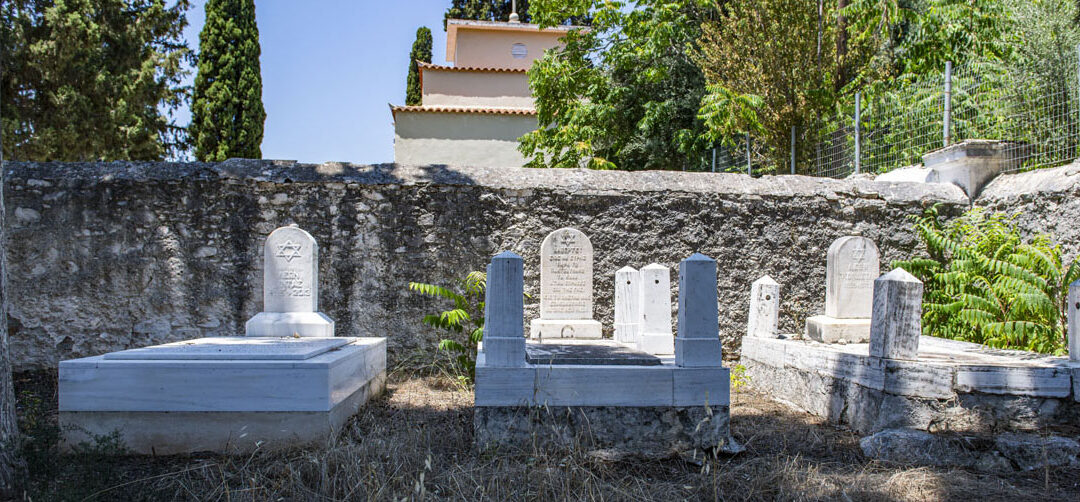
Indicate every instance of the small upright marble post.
{"type": "Point", "coordinates": [764, 308]}
{"type": "Point", "coordinates": [627, 305]}
{"type": "Point", "coordinates": [1072, 309]}
{"type": "Point", "coordinates": [896, 320]}
{"type": "Point", "coordinates": [698, 343]}
{"type": "Point", "coordinates": [655, 311]}
{"type": "Point", "coordinates": [290, 288]}
{"type": "Point", "coordinates": [504, 311]}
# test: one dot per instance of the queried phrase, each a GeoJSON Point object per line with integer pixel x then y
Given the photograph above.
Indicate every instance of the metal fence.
{"type": "Point", "coordinates": [1036, 112]}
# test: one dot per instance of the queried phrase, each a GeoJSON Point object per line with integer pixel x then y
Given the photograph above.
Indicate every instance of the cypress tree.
{"type": "Point", "coordinates": [421, 51]}
{"type": "Point", "coordinates": [227, 113]}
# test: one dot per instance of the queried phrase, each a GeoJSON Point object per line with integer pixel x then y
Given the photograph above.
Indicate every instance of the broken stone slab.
{"type": "Point", "coordinates": [504, 311]}
{"type": "Point", "coordinates": [896, 322]}
{"type": "Point", "coordinates": [971, 164]}
{"type": "Point", "coordinates": [698, 342]}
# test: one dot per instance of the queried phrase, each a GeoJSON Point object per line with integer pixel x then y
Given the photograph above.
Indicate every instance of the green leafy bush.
{"type": "Point", "coordinates": [985, 283]}
{"type": "Point", "coordinates": [464, 322]}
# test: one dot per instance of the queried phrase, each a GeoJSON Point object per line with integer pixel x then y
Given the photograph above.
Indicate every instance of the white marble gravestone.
{"type": "Point", "coordinates": [627, 305]}
{"type": "Point", "coordinates": [566, 287]}
{"type": "Point", "coordinates": [290, 288]}
{"type": "Point", "coordinates": [656, 337]}
{"type": "Point", "coordinates": [764, 308]}
{"type": "Point", "coordinates": [851, 267]}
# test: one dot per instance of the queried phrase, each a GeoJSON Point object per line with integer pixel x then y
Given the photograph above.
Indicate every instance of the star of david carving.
{"type": "Point", "coordinates": [288, 250]}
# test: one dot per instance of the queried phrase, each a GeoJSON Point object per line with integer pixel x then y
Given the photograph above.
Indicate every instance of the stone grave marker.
{"type": "Point", "coordinates": [764, 308]}
{"type": "Point", "coordinates": [627, 305]}
{"type": "Point", "coordinates": [504, 311]}
{"type": "Point", "coordinates": [566, 287]}
{"type": "Point", "coordinates": [290, 288]}
{"type": "Point", "coordinates": [896, 319]}
{"type": "Point", "coordinates": [852, 265]}
{"type": "Point", "coordinates": [698, 343]}
{"type": "Point", "coordinates": [655, 310]}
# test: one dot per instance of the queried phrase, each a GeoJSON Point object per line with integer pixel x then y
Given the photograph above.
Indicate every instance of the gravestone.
{"type": "Point", "coordinates": [764, 308]}
{"type": "Point", "coordinates": [698, 342]}
{"type": "Point", "coordinates": [655, 311]}
{"type": "Point", "coordinates": [1073, 310]}
{"type": "Point", "coordinates": [852, 265]}
{"type": "Point", "coordinates": [627, 305]}
{"type": "Point", "coordinates": [290, 288]}
{"type": "Point", "coordinates": [566, 287]}
{"type": "Point", "coordinates": [504, 311]}
{"type": "Point", "coordinates": [896, 319]}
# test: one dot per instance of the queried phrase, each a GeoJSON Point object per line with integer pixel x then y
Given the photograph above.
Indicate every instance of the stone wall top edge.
{"type": "Point", "coordinates": [1063, 179]}
{"type": "Point", "coordinates": [572, 180]}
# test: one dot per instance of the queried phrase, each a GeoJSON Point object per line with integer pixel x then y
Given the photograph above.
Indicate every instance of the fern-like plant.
{"type": "Point", "coordinates": [985, 283]}
{"type": "Point", "coordinates": [464, 322]}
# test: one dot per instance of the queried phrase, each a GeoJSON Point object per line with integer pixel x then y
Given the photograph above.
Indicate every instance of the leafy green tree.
{"type": "Point", "coordinates": [625, 93]}
{"type": "Point", "coordinates": [985, 283]}
{"type": "Point", "coordinates": [954, 30]}
{"type": "Point", "coordinates": [227, 112]}
{"type": "Point", "coordinates": [421, 51]}
{"type": "Point", "coordinates": [486, 10]}
{"type": "Point", "coordinates": [464, 322]}
{"type": "Point", "coordinates": [92, 80]}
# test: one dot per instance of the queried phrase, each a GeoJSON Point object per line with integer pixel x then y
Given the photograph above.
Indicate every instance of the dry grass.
{"type": "Point", "coordinates": [415, 443]}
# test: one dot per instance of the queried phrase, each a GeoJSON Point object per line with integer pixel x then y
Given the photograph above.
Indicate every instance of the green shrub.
{"type": "Point", "coordinates": [985, 283]}
{"type": "Point", "coordinates": [465, 322]}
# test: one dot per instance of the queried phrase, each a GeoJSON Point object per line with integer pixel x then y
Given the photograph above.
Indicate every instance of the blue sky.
{"type": "Point", "coordinates": [329, 68]}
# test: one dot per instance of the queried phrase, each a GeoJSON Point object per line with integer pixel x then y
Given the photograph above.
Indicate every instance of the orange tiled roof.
{"type": "Point", "coordinates": [464, 109]}
{"type": "Point", "coordinates": [430, 66]}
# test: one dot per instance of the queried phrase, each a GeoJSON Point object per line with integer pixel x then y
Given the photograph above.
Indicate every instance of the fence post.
{"type": "Point", "coordinates": [748, 169]}
{"type": "Point", "coordinates": [714, 158]}
{"type": "Point", "coordinates": [792, 149]}
{"type": "Point", "coordinates": [948, 104]}
{"type": "Point", "coordinates": [858, 132]}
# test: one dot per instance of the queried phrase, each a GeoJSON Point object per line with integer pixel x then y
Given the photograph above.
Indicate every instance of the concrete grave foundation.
{"type": "Point", "coordinates": [223, 394]}
{"type": "Point", "coordinates": [952, 386]}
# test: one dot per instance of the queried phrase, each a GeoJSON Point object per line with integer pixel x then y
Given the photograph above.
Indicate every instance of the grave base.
{"type": "Point", "coordinates": [573, 328]}
{"type": "Point", "coordinates": [227, 394]}
{"type": "Point", "coordinates": [657, 343]}
{"type": "Point", "coordinates": [650, 432]}
{"type": "Point", "coordinates": [302, 324]}
{"type": "Point", "coordinates": [827, 329]}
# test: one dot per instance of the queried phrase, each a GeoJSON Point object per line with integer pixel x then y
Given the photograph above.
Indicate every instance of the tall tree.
{"type": "Point", "coordinates": [486, 10]}
{"type": "Point", "coordinates": [89, 79]}
{"type": "Point", "coordinates": [227, 112]}
{"type": "Point", "coordinates": [421, 51]}
{"type": "Point", "coordinates": [623, 94]}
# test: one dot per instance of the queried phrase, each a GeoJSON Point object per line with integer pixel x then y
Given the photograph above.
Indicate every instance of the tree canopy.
{"type": "Point", "coordinates": [227, 112]}
{"type": "Point", "coordinates": [92, 80]}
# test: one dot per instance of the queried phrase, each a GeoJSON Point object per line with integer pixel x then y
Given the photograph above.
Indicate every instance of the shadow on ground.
{"type": "Point", "coordinates": [415, 442]}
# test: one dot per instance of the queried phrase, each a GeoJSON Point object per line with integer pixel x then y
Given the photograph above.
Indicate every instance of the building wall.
{"type": "Point", "coordinates": [107, 256]}
{"type": "Point", "coordinates": [460, 139]}
{"type": "Point", "coordinates": [466, 88]}
{"type": "Point", "coordinates": [487, 48]}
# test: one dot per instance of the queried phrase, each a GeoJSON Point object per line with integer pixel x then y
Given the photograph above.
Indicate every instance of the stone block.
{"type": "Point", "coordinates": [503, 352]}
{"type": "Point", "coordinates": [827, 329]}
{"type": "Point", "coordinates": [1021, 381]}
{"type": "Point", "coordinates": [698, 352]}
{"type": "Point", "coordinates": [496, 386]}
{"type": "Point", "coordinates": [769, 351]}
{"type": "Point", "coordinates": [504, 311]}
{"type": "Point", "coordinates": [280, 324]}
{"type": "Point", "coordinates": [588, 385]}
{"type": "Point", "coordinates": [764, 308]}
{"type": "Point", "coordinates": [702, 386]}
{"type": "Point", "coordinates": [896, 322]}
{"type": "Point", "coordinates": [971, 164]}
{"type": "Point", "coordinates": [919, 379]}
{"type": "Point", "coordinates": [1072, 308]}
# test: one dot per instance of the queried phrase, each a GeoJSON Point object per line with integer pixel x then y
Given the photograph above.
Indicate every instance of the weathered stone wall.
{"type": "Point", "coordinates": [106, 256]}
{"type": "Point", "coordinates": [1044, 201]}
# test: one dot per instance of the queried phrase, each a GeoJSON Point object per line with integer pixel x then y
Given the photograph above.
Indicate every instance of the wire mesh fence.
{"type": "Point", "coordinates": [1035, 112]}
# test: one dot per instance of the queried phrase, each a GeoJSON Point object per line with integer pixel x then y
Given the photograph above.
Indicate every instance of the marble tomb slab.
{"type": "Point", "coordinates": [242, 348]}
{"type": "Point", "coordinates": [602, 353]}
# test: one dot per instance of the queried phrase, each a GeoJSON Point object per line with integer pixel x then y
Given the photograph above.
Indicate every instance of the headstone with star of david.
{"type": "Point", "coordinates": [290, 287]}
